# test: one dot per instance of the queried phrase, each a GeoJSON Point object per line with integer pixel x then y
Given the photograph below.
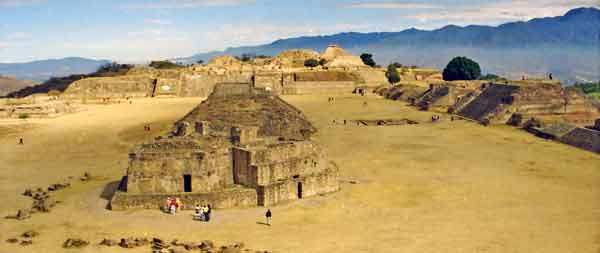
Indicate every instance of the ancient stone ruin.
{"type": "Point", "coordinates": [241, 147]}
{"type": "Point", "coordinates": [511, 102]}
{"type": "Point", "coordinates": [282, 74]}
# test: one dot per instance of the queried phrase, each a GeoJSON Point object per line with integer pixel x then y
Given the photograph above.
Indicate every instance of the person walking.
{"type": "Point", "coordinates": [206, 214]}
{"type": "Point", "coordinates": [208, 211]}
{"type": "Point", "coordinates": [268, 216]}
{"type": "Point", "coordinates": [21, 141]}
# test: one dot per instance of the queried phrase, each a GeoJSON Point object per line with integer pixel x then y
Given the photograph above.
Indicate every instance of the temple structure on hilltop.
{"type": "Point", "coordinates": [241, 147]}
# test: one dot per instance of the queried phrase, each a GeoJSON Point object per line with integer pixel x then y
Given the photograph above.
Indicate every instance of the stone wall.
{"type": "Point", "coordinates": [161, 170]}
{"type": "Point", "coordinates": [229, 198]}
{"type": "Point", "coordinates": [492, 100]}
{"type": "Point", "coordinates": [313, 184]}
{"type": "Point", "coordinates": [124, 86]}
{"type": "Point", "coordinates": [320, 87]}
{"type": "Point", "coordinates": [225, 90]}
{"type": "Point", "coordinates": [583, 138]}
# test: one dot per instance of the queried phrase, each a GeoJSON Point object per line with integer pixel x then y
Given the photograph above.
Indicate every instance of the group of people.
{"type": "Point", "coordinates": [330, 99]}
{"type": "Point", "coordinates": [203, 213]}
{"type": "Point", "coordinates": [147, 128]}
{"type": "Point", "coordinates": [173, 205]}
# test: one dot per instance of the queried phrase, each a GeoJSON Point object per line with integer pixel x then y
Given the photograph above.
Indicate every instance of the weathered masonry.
{"type": "Point", "coordinates": [241, 147]}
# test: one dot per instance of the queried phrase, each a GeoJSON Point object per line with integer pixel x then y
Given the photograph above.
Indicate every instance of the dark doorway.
{"type": "Point", "coordinates": [187, 183]}
{"type": "Point", "coordinates": [299, 190]}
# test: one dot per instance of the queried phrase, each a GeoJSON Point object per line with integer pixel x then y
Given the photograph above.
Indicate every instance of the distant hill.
{"type": "Point", "coordinates": [8, 84]}
{"type": "Point", "coordinates": [568, 46]}
{"type": "Point", "coordinates": [45, 69]}
{"type": "Point", "coordinates": [62, 83]}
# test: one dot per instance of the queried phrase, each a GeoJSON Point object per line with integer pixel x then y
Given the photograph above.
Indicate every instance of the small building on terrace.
{"type": "Point", "coordinates": [241, 147]}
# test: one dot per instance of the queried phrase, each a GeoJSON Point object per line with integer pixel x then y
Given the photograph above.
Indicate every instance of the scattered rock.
{"type": "Point", "coordinates": [23, 214]}
{"type": "Point", "coordinates": [159, 244]}
{"type": "Point", "coordinates": [234, 248]}
{"type": "Point", "coordinates": [30, 234]}
{"type": "Point", "coordinates": [192, 246]}
{"type": "Point", "coordinates": [75, 243]}
{"type": "Point", "coordinates": [86, 177]}
{"type": "Point", "coordinates": [108, 242]}
{"type": "Point", "coordinates": [42, 202]}
{"type": "Point", "coordinates": [12, 240]}
{"type": "Point", "coordinates": [28, 193]}
{"type": "Point", "coordinates": [177, 250]}
{"type": "Point", "coordinates": [56, 187]}
{"type": "Point", "coordinates": [133, 242]}
{"type": "Point", "coordinates": [207, 244]}
{"type": "Point", "coordinates": [26, 242]}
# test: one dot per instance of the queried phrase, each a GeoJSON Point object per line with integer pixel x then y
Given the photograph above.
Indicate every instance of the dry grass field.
{"type": "Point", "coordinates": [452, 186]}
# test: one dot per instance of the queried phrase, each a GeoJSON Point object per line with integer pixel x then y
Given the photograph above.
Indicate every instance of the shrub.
{"type": "Point", "coordinates": [492, 77]}
{"type": "Point", "coordinates": [462, 68]}
{"type": "Point", "coordinates": [392, 74]}
{"type": "Point", "coordinates": [23, 116]}
{"type": "Point", "coordinates": [367, 59]}
{"type": "Point", "coordinates": [164, 65]}
{"type": "Point", "coordinates": [311, 63]}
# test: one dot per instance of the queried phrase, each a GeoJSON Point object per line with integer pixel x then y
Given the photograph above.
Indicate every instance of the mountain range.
{"type": "Point", "coordinates": [567, 46]}
{"type": "Point", "coordinates": [45, 69]}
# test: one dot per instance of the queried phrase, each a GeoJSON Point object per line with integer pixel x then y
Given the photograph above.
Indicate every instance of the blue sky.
{"type": "Point", "coordinates": [142, 30]}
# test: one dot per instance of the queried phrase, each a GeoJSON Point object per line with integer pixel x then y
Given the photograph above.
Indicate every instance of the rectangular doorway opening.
{"type": "Point", "coordinates": [187, 183]}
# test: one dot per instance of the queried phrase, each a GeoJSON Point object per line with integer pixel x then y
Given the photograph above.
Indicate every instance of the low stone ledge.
{"type": "Point", "coordinates": [234, 197]}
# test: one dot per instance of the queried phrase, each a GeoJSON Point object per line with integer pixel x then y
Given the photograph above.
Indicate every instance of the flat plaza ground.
{"type": "Point", "coordinates": [453, 186]}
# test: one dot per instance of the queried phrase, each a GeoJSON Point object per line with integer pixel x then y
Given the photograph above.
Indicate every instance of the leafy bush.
{"type": "Point", "coordinates": [492, 77]}
{"type": "Point", "coordinates": [311, 63]}
{"type": "Point", "coordinates": [113, 67]}
{"type": "Point", "coordinates": [23, 116]}
{"type": "Point", "coordinates": [164, 65]}
{"type": "Point", "coordinates": [367, 59]}
{"type": "Point", "coordinates": [588, 88]}
{"type": "Point", "coordinates": [462, 68]}
{"type": "Point", "coordinates": [392, 74]}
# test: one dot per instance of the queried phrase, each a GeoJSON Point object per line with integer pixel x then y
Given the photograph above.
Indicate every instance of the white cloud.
{"type": "Point", "coordinates": [18, 36]}
{"type": "Point", "coordinates": [502, 11]}
{"type": "Point", "coordinates": [390, 5]}
{"type": "Point", "coordinates": [158, 21]}
{"type": "Point", "coordinates": [183, 4]}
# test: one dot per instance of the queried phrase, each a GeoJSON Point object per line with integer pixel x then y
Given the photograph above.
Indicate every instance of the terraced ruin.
{"type": "Point", "coordinates": [241, 147]}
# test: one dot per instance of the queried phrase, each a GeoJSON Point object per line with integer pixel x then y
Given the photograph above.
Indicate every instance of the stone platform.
{"type": "Point", "coordinates": [231, 197]}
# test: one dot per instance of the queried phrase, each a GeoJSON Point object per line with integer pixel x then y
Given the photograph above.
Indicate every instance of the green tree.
{"type": "Point", "coordinates": [311, 63]}
{"type": "Point", "coordinates": [164, 65]}
{"type": "Point", "coordinates": [200, 62]}
{"type": "Point", "coordinates": [367, 59]}
{"type": "Point", "coordinates": [322, 62]}
{"type": "Point", "coordinates": [392, 74]}
{"type": "Point", "coordinates": [492, 77]}
{"type": "Point", "coordinates": [462, 68]}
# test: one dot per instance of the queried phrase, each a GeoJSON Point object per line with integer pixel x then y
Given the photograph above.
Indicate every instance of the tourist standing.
{"type": "Point", "coordinates": [21, 141]}
{"type": "Point", "coordinates": [268, 216]}
{"type": "Point", "coordinates": [178, 204]}
{"type": "Point", "coordinates": [208, 210]}
{"type": "Point", "coordinates": [167, 207]}
{"type": "Point", "coordinates": [198, 216]}
{"type": "Point", "coordinates": [205, 213]}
